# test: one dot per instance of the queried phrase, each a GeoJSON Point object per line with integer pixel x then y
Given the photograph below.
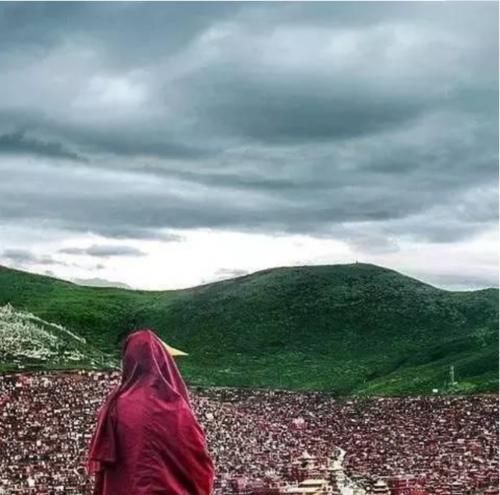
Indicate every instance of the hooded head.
{"type": "Point", "coordinates": [146, 358]}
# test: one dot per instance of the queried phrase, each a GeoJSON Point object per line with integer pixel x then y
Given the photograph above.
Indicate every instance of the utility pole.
{"type": "Point", "coordinates": [452, 375]}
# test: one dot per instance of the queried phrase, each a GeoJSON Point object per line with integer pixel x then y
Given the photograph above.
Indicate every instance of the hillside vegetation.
{"type": "Point", "coordinates": [27, 341]}
{"type": "Point", "coordinates": [343, 328]}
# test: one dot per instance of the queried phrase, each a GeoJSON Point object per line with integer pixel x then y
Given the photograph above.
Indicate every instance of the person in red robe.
{"type": "Point", "coordinates": [148, 440]}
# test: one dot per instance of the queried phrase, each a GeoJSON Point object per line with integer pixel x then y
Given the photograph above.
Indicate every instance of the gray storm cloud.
{"type": "Point", "coordinates": [127, 119]}
{"type": "Point", "coordinates": [103, 251]}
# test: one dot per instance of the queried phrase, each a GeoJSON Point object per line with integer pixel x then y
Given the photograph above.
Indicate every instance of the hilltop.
{"type": "Point", "coordinates": [346, 328]}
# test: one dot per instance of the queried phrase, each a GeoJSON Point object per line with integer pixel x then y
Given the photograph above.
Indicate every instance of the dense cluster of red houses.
{"type": "Point", "coordinates": [402, 446]}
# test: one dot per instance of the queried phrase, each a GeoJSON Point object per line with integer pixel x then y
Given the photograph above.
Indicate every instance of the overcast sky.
{"type": "Point", "coordinates": [162, 145]}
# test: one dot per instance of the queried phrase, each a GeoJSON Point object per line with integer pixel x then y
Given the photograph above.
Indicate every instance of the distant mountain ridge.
{"type": "Point", "coordinates": [355, 328]}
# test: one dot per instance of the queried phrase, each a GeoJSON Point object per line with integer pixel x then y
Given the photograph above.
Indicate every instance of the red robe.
{"type": "Point", "coordinates": [147, 440]}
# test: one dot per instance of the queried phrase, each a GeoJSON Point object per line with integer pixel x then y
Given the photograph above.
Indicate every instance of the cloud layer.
{"type": "Point", "coordinates": [373, 124]}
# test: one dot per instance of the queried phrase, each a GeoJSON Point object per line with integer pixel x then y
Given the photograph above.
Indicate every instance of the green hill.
{"type": "Point", "coordinates": [345, 328]}
{"type": "Point", "coordinates": [27, 341]}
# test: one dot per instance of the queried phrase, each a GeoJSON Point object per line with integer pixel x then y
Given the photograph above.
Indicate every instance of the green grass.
{"type": "Point", "coordinates": [344, 328]}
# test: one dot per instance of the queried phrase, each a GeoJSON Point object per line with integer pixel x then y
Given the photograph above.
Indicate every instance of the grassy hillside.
{"type": "Point", "coordinates": [346, 328]}
{"type": "Point", "coordinates": [28, 342]}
